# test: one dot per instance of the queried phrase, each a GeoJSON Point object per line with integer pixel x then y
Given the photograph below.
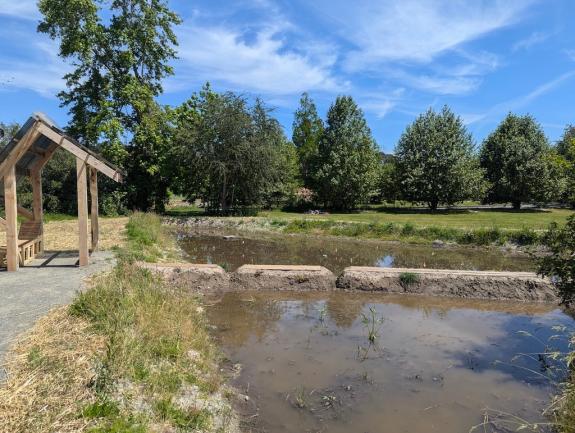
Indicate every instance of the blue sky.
{"type": "Point", "coordinates": [484, 58]}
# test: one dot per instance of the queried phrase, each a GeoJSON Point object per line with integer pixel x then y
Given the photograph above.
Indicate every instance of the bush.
{"type": "Point", "coordinates": [559, 265]}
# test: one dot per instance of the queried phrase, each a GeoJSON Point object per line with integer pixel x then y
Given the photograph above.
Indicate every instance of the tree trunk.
{"type": "Point", "coordinates": [516, 204]}
{"type": "Point", "coordinates": [433, 205]}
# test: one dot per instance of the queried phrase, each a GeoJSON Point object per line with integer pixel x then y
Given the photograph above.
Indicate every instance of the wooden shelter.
{"type": "Point", "coordinates": [26, 154]}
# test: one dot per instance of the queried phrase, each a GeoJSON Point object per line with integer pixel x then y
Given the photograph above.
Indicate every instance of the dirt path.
{"type": "Point", "coordinates": [28, 294]}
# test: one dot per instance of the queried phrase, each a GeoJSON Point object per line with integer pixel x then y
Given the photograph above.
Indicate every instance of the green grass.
{"type": "Point", "coordinates": [408, 279]}
{"type": "Point", "coordinates": [150, 328]}
{"type": "Point", "coordinates": [535, 219]}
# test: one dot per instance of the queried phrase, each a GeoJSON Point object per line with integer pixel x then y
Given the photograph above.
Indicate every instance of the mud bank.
{"type": "Point", "coordinates": [519, 286]}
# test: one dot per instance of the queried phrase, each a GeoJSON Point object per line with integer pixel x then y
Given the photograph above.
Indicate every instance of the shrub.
{"type": "Point", "coordinates": [408, 279]}
{"type": "Point", "coordinates": [559, 265]}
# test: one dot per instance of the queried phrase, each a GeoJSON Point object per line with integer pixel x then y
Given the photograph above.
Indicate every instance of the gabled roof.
{"type": "Point", "coordinates": [47, 136]}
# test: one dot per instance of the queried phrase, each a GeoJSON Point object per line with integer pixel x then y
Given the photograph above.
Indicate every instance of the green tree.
{"type": "Point", "coordinates": [120, 52]}
{"type": "Point", "coordinates": [516, 161]}
{"type": "Point", "coordinates": [231, 155]}
{"type": "Point", "coordinates": [346, 171]}
{"type": "Point", "coordinates": [565, 144]}
{"type": "Point", "coordinates": [388, 180]}
{"type": "Point", "coordinates": [565, 160]}
{"type": "Point", "coordinates": [8, 131]}
{"type": "Point", "coordinates": [559, 265]}
{"type": "Point", "coordinates": [307, 132]}
{"type": "Point", "coordinates": [436, 161]}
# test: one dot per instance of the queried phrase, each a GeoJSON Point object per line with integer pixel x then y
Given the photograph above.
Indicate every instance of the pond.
{"type": "Point", "coordinates": [336, 254]}
{"type": "Point", "coordinates": [308, 363]}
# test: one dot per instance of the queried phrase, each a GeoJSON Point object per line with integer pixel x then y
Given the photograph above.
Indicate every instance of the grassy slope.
{"type": "Point", "coordinates": [474, 227]}
{"type": "Point", "coordinates": [130, 355]}
{"type": "Point", "coordinates": [464, 219]}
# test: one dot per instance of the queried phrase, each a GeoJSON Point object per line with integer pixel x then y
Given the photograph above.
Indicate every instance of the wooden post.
{"type": "Point", "coordinates": [82, 187]}
{"type": "Point", "coordinates": [95, 225]}
{"type": "Point", "coordinates": [36, 181]}
{"type": "Point", "coordinates": [11, 208]}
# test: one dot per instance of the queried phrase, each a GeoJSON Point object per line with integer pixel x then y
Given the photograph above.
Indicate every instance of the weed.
{"type": "Point", "coordinates": [408, 279]}
{"type": "Point", "coordinates": [301, 398]}
{"type": "Point", "coordinates": [180, 418]}
{"type": "Point", "coordinates": [101, 409]}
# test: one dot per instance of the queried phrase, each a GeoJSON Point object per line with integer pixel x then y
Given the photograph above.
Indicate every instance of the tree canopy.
{"type": "Point", "coordinates": [232, 154]}
{"type": "Point", "coordinates": [346, 171]}
{"type": "Point", "coordinates": [516, 160]}
{"type": "Point", "coordinates": [119, 60]}
{"type": "Point", "coordinates": [436, 161]}
{"type": "Point", "coordinates": [307, 133]}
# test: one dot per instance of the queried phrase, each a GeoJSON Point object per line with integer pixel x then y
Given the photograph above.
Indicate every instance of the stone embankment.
{"type": "Point", "coordinates": [519, 286]}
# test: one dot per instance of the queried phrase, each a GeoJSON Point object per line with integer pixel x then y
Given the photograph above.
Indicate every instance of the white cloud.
{"type": "Point", "coordinates": [570, 54]}
{"type": "Point", "coordinates": [24, 9]}
{"type": "Point", "coordinates": [263, 64]}
{"type": "Point", "coordinates": [421, 43]}
{"type": "Point", "coordinates": [41, 70]}
{"type": "Point", "coordinates": [411, 30]}
{"type": "Point", "coordinates": [533, 39]}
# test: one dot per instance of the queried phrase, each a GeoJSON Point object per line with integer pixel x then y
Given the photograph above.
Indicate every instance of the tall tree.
{"type": "Point", "coordinates": [436, 161]}
{"type": "Point", "coordinates": [348, 161]}
{"type": "Point", "coordinates": [307, 132]}
{"type": "Point", "coordinates": [231, 155]}
{"type": "Point", "coordinates": [120, 52]}
{"type": "Point", "coordinates": [566, 161]}
{"type": "Point", "coordinates": [516, 160]}
{"type": "Point", "coordinates": [565, 144]}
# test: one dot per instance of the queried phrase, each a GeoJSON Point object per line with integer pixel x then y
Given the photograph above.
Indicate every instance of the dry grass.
{"type": "Point", "coordinates": [63, 235]}
{"type": "Point", "coordinates": [50, 368]}
{"type": "Point", "coordinates": [130, 355]}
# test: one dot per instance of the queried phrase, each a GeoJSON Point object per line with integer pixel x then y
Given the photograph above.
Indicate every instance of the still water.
{"type": "Point", "coordinates": [336, 254]}
{"type": "Point", "coordinates": [432, 365]}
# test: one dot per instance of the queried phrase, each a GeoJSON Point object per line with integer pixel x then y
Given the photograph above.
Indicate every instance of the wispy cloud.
{"type": "Point", "coordinates": [23, 9]}
{"type": "Point", "coordinates": [570, 54]}
{"type": "Point", "coordinates": [260, 61]}
{"type": "Point", "coordinates": [533, 39]}
{"type": "Point", "coordinates": [522, 101]}
{"type": "Point", "coordinates": [419, 31]}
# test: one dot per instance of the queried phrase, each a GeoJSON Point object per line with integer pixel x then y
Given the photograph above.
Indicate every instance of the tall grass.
{"type": "Point", "coordinates": [131, 354]}
{"type": "Point", "coordinates": [412, 232]}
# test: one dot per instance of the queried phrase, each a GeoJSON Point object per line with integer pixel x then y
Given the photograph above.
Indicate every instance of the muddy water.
{"type": "Point", "coordinates": [336, 254]}
{"type": "Point", "coordinates": [307, 363]}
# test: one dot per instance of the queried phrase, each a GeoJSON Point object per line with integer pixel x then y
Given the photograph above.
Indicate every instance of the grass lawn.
{"type": "Point", "coordinates": [459, 219]}
{"type": "Point", "coordinates": [61, 232]}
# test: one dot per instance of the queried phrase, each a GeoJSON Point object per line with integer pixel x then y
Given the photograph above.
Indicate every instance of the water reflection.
{"type": "Point", "coordinates": [435, 367]}
{"type": "Point", "coordinates": [336, 254]}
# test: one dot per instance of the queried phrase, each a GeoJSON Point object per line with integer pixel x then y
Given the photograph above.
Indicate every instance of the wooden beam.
{"type": "Point", "coordinates": [95, 224]}
{"type": "Point", "coordinates": [82, 187]}
{"type": "Point", "coordinates": [36, 181]}
{"type": "Point", "coordinates": [47, 156]}
{"type": "Point", "coordinates": [18, 151]}
{"type": "Point", "coordinates": [11, 208]}
{"type": "Point", "coordinates": [25, 213]}
{"type": "Point", "coordinates": [79, 152]}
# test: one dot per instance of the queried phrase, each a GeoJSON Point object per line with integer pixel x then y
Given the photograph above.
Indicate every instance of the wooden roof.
{"type": "Point", "coordinates": [34, 144]}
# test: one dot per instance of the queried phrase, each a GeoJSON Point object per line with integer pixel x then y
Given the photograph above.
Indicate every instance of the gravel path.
{"type": "Point", "coordinates": [28, 294]}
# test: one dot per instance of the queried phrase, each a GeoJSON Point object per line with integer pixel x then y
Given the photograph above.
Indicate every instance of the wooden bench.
{"type": "Point", "coordinates": [30, 243]}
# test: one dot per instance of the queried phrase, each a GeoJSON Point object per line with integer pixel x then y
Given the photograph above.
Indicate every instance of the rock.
{"type": "Point", "coordinates": [282, 277]}
{"type": "Point", "coordinates": [518, 286]}
{"type": "Point", "coordinates": [438, 244]}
